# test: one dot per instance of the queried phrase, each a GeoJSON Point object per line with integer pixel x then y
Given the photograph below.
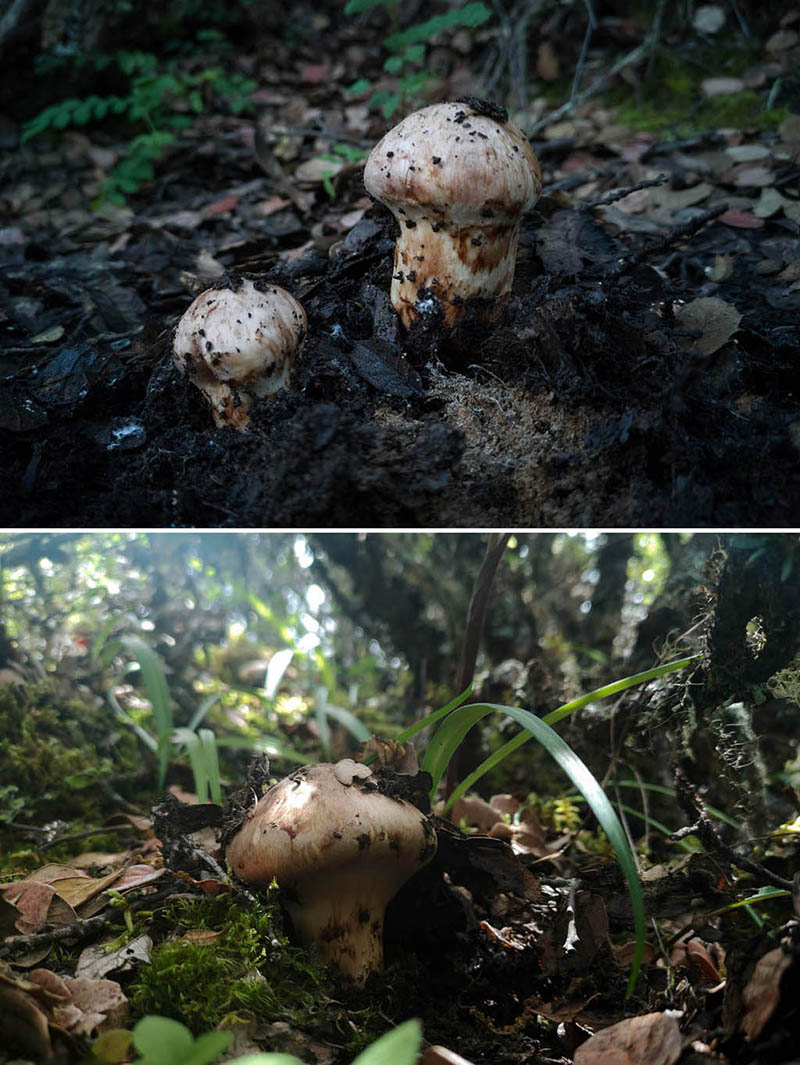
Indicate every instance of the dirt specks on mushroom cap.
{"type": "Point", "coordinates": [239, 341]}
{"type": "Point", "coordinates": [458, 181]}
{"type": "Point", "coordinates": [449, 164]}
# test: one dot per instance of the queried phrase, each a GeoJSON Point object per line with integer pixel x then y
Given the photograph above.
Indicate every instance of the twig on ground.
{"type": "Point", "coordinates": [632, 58]}
{"type": "Point", "coordinates": [685, 229]}
{"type": "Point", "coordinates": [591, 25]}
{"type": "Point", "coordinates": [620, 194]}
{"type": "Point", "coordinates": [703, 828]}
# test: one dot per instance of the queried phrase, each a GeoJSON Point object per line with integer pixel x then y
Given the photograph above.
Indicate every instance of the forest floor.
{"type": "Point", "coordinates": [644, 371]}
{"type": "Point", "coordinates": [513, 945]}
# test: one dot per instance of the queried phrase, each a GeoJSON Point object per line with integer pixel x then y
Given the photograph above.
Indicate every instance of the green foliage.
{"type": "Point", "coordinates": [337, 153]}
{"type": "Point", "coordinates": [204, 760]}
{"type": "Point", "coordinates": [249, 966]}
{"type": "Point", "coordinates": [162, 1041]}
{"type": "Point", "coordinates": [160, 99]}
{"type": "Point", "coordinates": [673, 100]}
{"type": "Point", "coordinates": [400, 1046]}
{"type": "Point", "coordinates": [461, 719]}
{"type": "Point", "coordinates": [48, 749]}
{"type": "Point", "coordinates": [408, 48]}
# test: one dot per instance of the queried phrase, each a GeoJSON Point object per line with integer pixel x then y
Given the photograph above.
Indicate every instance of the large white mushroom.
{"type": "Point", "coordinates": [339, 849]}
{"type": "Point", "coordinates": [458, 178]}
{"type": "Point", "coordinates": [238, 342]}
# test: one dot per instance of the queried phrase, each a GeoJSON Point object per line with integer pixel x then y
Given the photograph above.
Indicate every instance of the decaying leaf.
{"type": "Point", "coordinates": [37, 904]}
{"type": "Point", "coordinates": [763, 992]}
{"type": "Point", "coordinates": [715, 319]}
{"type": "Point", "coordinates": [96, 962]}
{"type": "Point", "coordinates": [654, 1039]}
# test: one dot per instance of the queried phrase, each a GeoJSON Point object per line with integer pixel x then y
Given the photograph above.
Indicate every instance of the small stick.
{"type": "Point", "coordinates": [704, 829]}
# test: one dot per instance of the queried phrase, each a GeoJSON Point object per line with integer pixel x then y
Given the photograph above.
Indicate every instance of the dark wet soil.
{"type": "Point", "coordinates": [583, 405]}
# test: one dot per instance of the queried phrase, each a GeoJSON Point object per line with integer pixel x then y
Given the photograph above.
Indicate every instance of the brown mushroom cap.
{"type": "Point", "coordinates": [239, 342]}
{"type": "Point", "coordinates": [458, 182]}
{"type": "Point", "coordinates": [340, 850]}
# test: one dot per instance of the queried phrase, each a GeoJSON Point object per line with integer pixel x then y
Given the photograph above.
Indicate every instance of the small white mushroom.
{"type": "Point", "coordinates": [340, 850]}
{"type": "Point", "coordinates": [239, 342]}
{"type": "Point", "coordinates": [458, 181]}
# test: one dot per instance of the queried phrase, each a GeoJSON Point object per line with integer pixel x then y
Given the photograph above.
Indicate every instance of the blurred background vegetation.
{"type": "Point", "coordinates": [119, 650]}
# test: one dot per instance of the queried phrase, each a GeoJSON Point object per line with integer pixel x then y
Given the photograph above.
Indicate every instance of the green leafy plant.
{"type": "Point", "coordinates": [407, 50]}
{"type": "Point", "coordinates": [338, 152]}
{"type": "Point", "coordinates": [457, 719]}
{"type": "Point", "coordinates": [200, 743]}
{"type": "Point", "coordinates": [160, 99]}
{"type": "Point", "coordinates": [162, 1041]}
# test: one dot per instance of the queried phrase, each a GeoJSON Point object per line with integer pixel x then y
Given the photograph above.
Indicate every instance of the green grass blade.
{"type": "Point", "coordinates": [586, 784]}
{"type": "Point", "coordinates": [199, 715]}
{"type": "Point", "coordinates": [431, 719]}
{"type": "Point", "coordinates": [194, 749]}
{"type": "Point", "coordinates": [271, 745]}
{"type": "Point", "coordinates": [448, 738]}
{"type": "Point", "coordinates": [662, 789]}
{"type": "Point", "coordinates": [561, 712]}
{"type": "Point", "coordinates": [155, 682]}
{"type": "Point", "coordinates": [357, 729]}
{"type": "Point", "coordinates": [208, 743]}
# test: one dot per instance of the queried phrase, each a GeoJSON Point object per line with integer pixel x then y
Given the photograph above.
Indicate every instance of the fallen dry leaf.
{"type": "Point", "coordinates": [740, 219]}
{"type": "Point", "coordinates": [694, 956]}
{"type": "Point", "coordinates": [95, 962]}
{"type": "Point", "coordinates": [38, 904]}
{"type": "Point", "coordinates": [654, 1039]}
{"type": "Point", "coordinates": [476, 812]}
{"type": "Point", "coordinates": [781, 41]}
{"type": "Point", "coordinates": [23, 1021]}
{"type": "Point", "coordinates": [762, 994]}
{"type": "Point", "coordinates": [716, 320]}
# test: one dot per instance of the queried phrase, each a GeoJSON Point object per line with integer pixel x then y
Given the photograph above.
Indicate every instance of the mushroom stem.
{"type": "Point", "coordinates": [343, 916]}
{"type": "Point", "coordinates": [455, 265]}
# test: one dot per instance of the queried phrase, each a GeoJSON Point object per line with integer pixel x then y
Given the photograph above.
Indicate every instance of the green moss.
{"type": "Point", "coordinates": [46, 751]}
{"type": "Point", "coordinates": [673, 101]}
{"type": "Point", "coordinates": [250, 966]}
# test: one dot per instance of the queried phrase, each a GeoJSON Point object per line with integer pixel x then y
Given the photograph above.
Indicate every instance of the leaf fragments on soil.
{"type": "Point", "coordinates": [715, 319]}
{"type": "Point", "coordinates": [763, 992]}
{"type": "Point", "coordinates": [654, 1039]}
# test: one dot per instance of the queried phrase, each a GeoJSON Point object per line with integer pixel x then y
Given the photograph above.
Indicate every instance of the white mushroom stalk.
{"type": "Point", "coordinates": [458, 181]}
{"type": "Point", "coordinates": [237, 343]}
{"type": "Point", "coordinates": [340, 850]}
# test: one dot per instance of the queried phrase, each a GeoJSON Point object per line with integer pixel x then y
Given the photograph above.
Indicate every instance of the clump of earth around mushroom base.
{"type": "Point", "coordinates": [238, 341]}
{"type": "Point", "coordinates": [458, 178]}
{"type": "Point", "coordinates": [340, 849]}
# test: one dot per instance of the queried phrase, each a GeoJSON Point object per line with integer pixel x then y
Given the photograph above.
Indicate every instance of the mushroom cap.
{"type": "Point", "coordinates": [323, 818]}
{"type": "Point", "coordinates": [452, 162]}
{"type": "Point", "coordinates": [245, 336]}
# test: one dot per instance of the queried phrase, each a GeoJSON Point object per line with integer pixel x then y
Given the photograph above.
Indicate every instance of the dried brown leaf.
{"type": "Point", "coordinates": [654, 1039]}
{"type": "Point", "coordinates": [762, 994]}
{"type": "Point", "coordinates": [716, 320]}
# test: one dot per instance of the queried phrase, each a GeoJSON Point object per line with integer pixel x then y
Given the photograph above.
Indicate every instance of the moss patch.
{"type": "Point", "coordinates": [673, 99]}
{"type": "Point", "coordinates": [250, 965]}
